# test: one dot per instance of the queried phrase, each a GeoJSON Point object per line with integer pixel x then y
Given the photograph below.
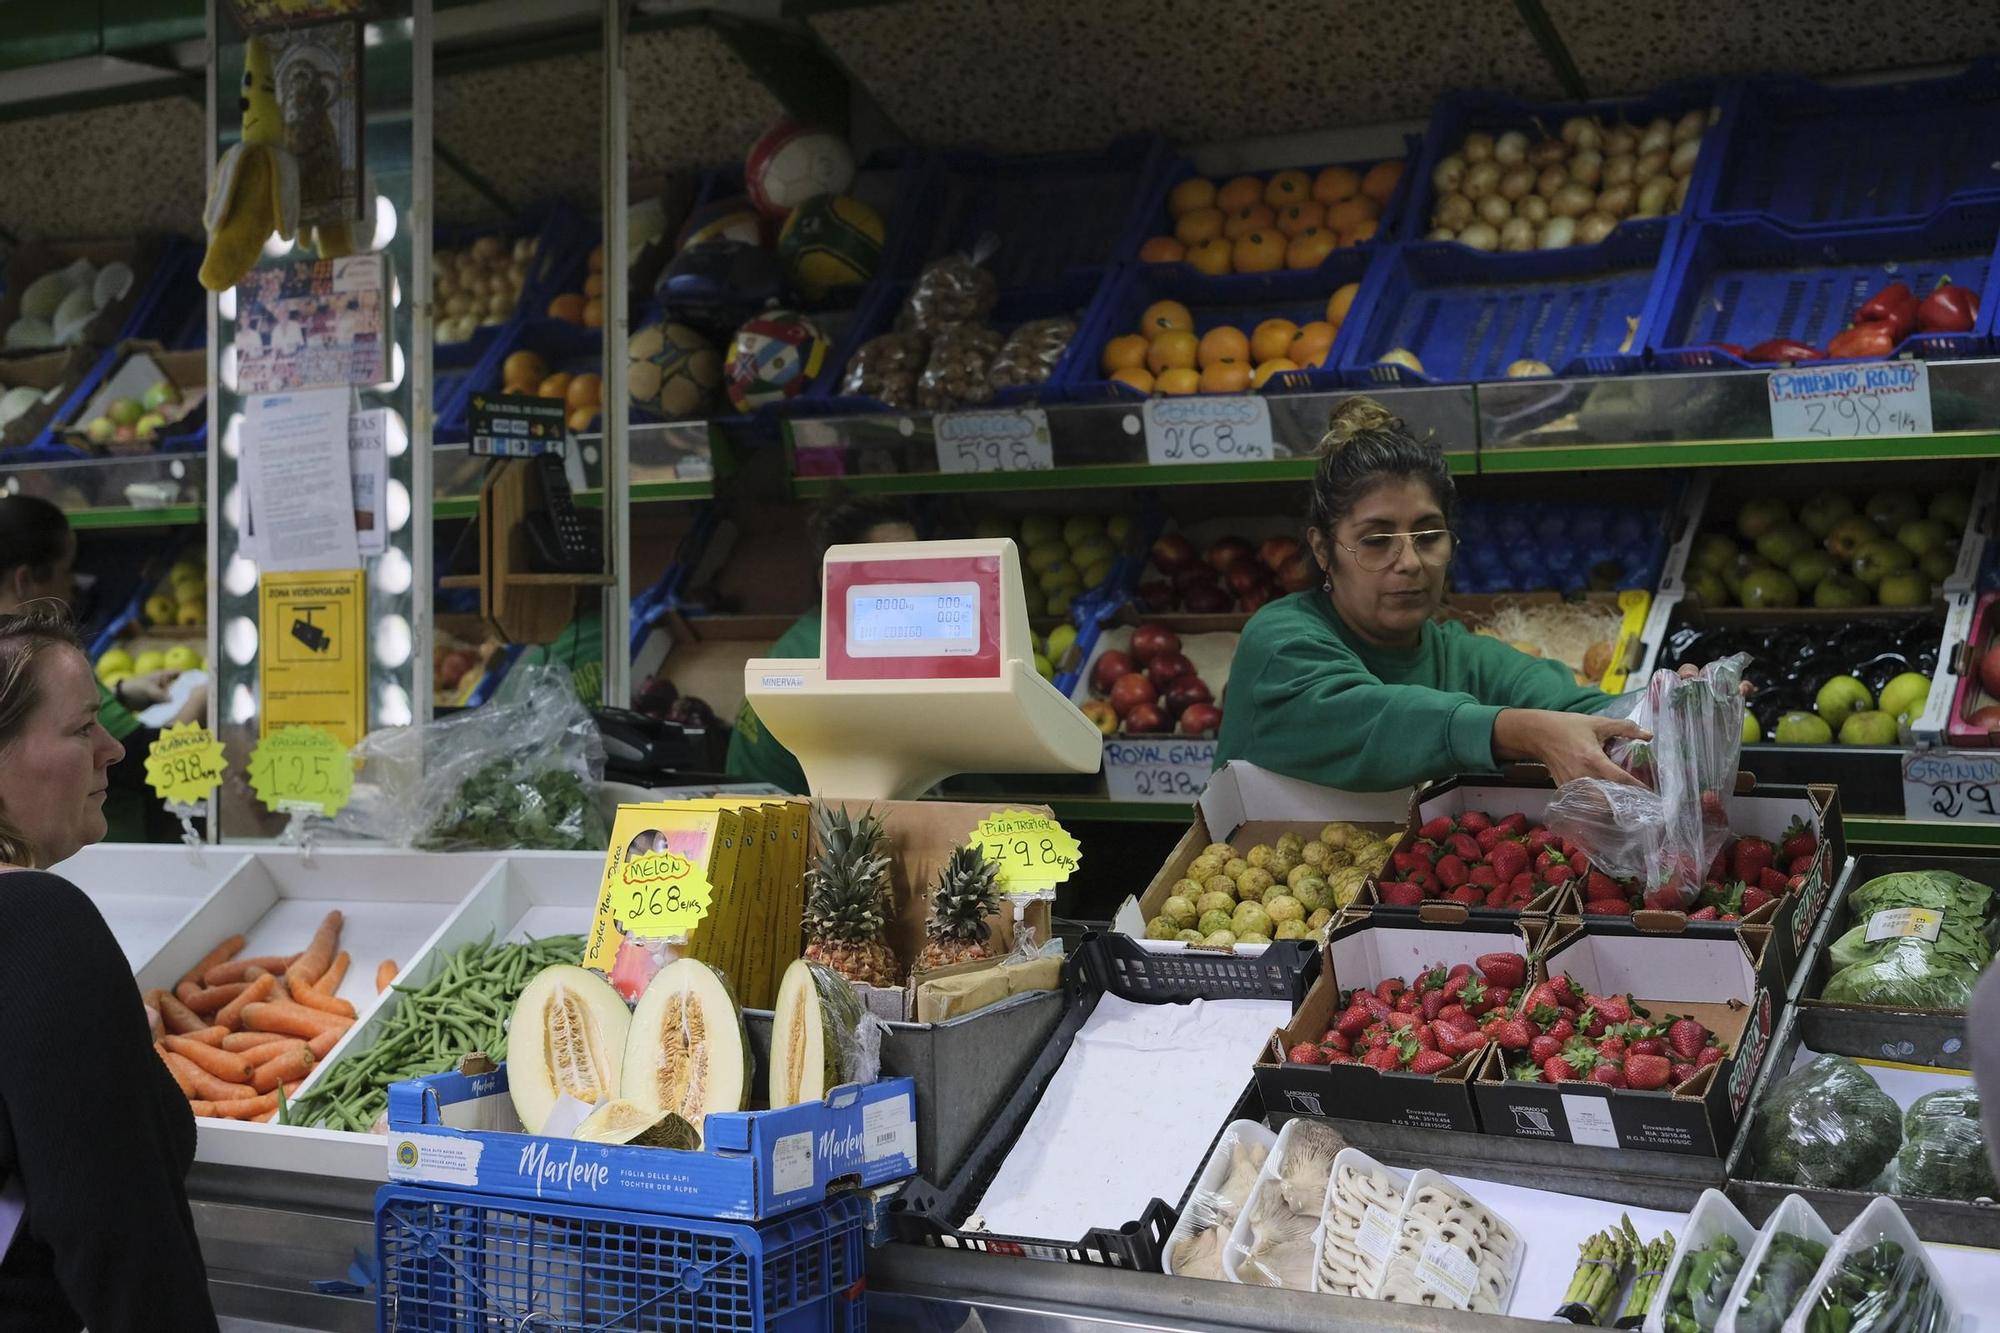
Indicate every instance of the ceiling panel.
{"type": "Point", "coordinates": [107, 171]}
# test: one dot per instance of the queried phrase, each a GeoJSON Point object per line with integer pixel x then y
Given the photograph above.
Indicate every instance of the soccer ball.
{"type": "Point", "coordinates": [731, 219]}
{"type": "Point", "coordinates": [791, 163]}
{"type": "Point", "coordinates": [830, 241]}
{"type": "Point", "coordinates": [774, 356]}
{"type": "Point", "coordinates": [674, 371]}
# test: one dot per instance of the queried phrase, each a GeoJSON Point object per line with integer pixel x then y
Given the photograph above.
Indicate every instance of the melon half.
{"type": "Point", "coordinates": [567, 1036]}
{"type": "Point", "coordinates": [812, 1034]}
{"type": "Point", "coordinates": [687, 1051]}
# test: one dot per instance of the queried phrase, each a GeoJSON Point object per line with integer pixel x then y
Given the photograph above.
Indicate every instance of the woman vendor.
{"type": "Point", "coordinates": [1356, 685]}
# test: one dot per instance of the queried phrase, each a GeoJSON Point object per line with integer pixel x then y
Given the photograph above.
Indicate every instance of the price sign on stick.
{"type": "Point", "coordinates": [1953, 786]}
{"type": "Point", "coordinates": [660, 894]}
{"type": "Point", "coordinates": [1223, 429]}
{"type": "Point", "coordinates": [1871, 401]}
{"type": "Point", "coordinates": [184, 764]}
{"type": "Point", "coordinates": [1034, 852]}
{"type": "Point", "coordinates": [994, 441]}
{"type": "Point", "coordinates": [302, 768]}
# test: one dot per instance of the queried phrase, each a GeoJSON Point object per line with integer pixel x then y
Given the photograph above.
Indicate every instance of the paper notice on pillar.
{"type": "Point", "coordinates": [368, 459]}
{"type": "Point", "coordinates": [297, 480]}
{"type": "Point", "coordinates": [312, 652]}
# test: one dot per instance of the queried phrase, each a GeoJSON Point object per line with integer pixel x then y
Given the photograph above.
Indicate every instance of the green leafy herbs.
{"type": "Point", "coordinates": [501, 806]}
{"type": "Point", "coordinates": [1788, 1264]}
{"type": "Point", "coordinates": [1702, 1283]}
{"type": "Point", "coordinates": [1909, 972]}
{"type": "Point", "coordinates": [1944, 1148]}
{"type": "Point", "coordinates": [1879, 1289]}
{"type": "Point", "coordinates": [1827, 1125]}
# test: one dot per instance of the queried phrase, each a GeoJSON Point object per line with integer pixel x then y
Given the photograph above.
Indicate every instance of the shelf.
{"type": "Point", "coordinates": [169, 516]}
{"type": "Point", "coordinates": [559, 580]}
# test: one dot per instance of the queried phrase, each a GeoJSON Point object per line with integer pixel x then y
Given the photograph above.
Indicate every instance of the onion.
{"type": "Point", "coordinates": [524, 249]}
{"type": "Point", "coordinates": [1574, 128]}
{"type": "Point", "coordinates": [1527, 368]}
{"type": "Point", "coordinates": [1516, 182]}
{"type": "Point", "coordinates": [1572, 201]}
{"type": "Point", "coordinates": [1481, 180]}
{"type": "Point", "coordinates": [1619, 139]}
{"type": "Point", "coordinates": [499, 303]}
{"type": "Point", "coordinates": [1440, 234]}
{"type": "Point", "coordinates": [1454, 211]}
{"type": "Point", "coordinates": [1556, 234]}
{"type": "Point", "coordinates": [1518, 234]}
{"type": "Point", "coordinates": [1681, 193]}
{"type": "Point", "coordinates": [458, 305]}
{"type": "Point", "coordinates": [1401, 356]}
{"type": "Point", "coordinates": [1534, 208]}
{"type": "Point", "coordinates": [1494, 210]}
{"type": "Point", "coordinates": [1591, 140]}
{"type": "Point", "coordinates": [1681, 164]}
{"type": "Point", "coordinates": [1659, 136]}
{"type": "Point", "coordinates": [1691, 125]}
{"type": "Point", "coordinates": [443, 287]}
{"type": "Point", "coordinates": [1550, 181]}
{"type": "Point", "coordinates": [1649, 165]}
{"type": "Point", "coordinates": [1448, 174]}
{"type": "Point", "coordinates": [1617, 201]}
{"type": "Point", "coordinates": [1548, 153]}
{"type": "Point", "coordinates": [1618, 169]}
{"type": "Point", "coordinates": [1478, 147]}
{"type": "Point", "coordinates": [1480, 237]}
{"type": "Point", "coordinates": [1594, 227]}
{"type": "Point", "coordinates": [1587, 168]}
{"type": "Point", "coordinates": [1511, 149]}
{"type": "Point", "coordinates": [1653, 197]}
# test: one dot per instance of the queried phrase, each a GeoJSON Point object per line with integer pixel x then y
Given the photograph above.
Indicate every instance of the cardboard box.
{"type": "Point", "coordinates": [1364, 951]}
{"type": "Point", "coordinates": [460, 1130]}
{"type": "Point", "coordinates": [1525, 790]}
{"type": "Point", "coordinates": [136, 365]}
{"type": "Point", "coordinates": [29, 262]}
{"type": "Point", "coordinates": [1243, 806]}
{"type": "Point", "coordinates": [1729, 984]}
{"type": "Point", "coordinates": [54, 375]}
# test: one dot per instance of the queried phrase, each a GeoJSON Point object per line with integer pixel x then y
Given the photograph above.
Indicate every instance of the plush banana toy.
{"type": "Point", "coordinates": [256, 182]}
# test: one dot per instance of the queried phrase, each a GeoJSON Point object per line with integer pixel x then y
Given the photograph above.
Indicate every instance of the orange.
{"type": "Point", "coordinates": [1277, 365]}
{"type": "Point", "coordinates": [1178, 381]}
{"type": "Point", "coordinates": [1249, 218]}
{"type": "Point", "coordinates": [1213, 257]}
{"type": "Point", "coordinates": [597, 259]}
{"type": "Point", "coordinates": [1311, 344]}
{"type": "Point", "coordinates": [1172, 350]}
{"type": "Point", "coordinates": [581, 417]}
{"type": "Point", "coordinates": [1163, 315]}
{"type": "Point", "coordinates": [1226, 376]}
{"type": "Point", "coordinates": [593, 313]}
{"type": "Point", "coordinates": [1260, 251]}
{"type": "Point", "coordinates": [1162, 250]}
{"type": "Point", "coordinates": [1239, 193]}
{"type": "Point", "coordinates": [1287, 187]}
{"type": "Point", "coordinates": [1296, 218]}
{"type": "Point", "coordinates": [1351, 213]}
{"type": "Point", "coordinates": [594, 285]}
{"type": "Point", "coordinates": [568, 306]}
{"type": "Point", "coordinates": [1198, 225]}
{"type": "Point", "coordinates": [1224, 342]}
{"type": "Point", "coordinates": [1340, 303]}
{"type": "Point", "coordinates": [585, 390]}
{"type": "Point", "coordinates": [1192, 193]}
{"type": "Point", "coordinates": [523, 368]}
{"type": "Point", "coordinates": [1380, 183]}
{"type": "Point", "coordinates": [1135, 376]}
{"type": "Point", "coordinates": [1310, 248]}
{"type": "Point", "coordinates": [1356, 235]}
{"type": "Point", "coordinates": [1272, 339]}
{"type": "Point", "coordinates": [555, 386]}
{"type": "Point", "coordinates": [1124, 353]}
{"type": "Point", "coordinates": [1334, 184]}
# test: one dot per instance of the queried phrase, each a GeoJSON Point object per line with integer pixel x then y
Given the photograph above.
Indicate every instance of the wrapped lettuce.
{"type": "Point", "coordinates": [1826, 1125]}
{"type": "Point", "coordinates": [1952, 894]}
{"type": "Point", "coordinates": [1944, 1148]}
{"type": "Point", "coordinates": [1910, 974]}
{"type": "Point", "coordinates": [1906, 972]}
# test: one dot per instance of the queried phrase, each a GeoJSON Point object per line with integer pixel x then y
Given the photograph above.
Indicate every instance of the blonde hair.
{"type": "Point", "coordinates": [24, 637]}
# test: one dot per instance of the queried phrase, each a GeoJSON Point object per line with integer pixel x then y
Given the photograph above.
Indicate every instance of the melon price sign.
{"type": "Point", "coordinates": [660, 894]}
{"type": "Point", "coordinates": [1033, 852]}
{"type": "Point", "coordinates": [184, 764]}
{"type": "Point", "coordinates": [1234, 428]}
{"type": "Point", "coordinates": [302, 768]}
{"type": "Point", "coordinates": [994, 441]}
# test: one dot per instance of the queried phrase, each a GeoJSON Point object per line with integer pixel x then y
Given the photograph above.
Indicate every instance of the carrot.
{"type": "Point", "coordinates": [293, 1064]}
{"type": "Point", "coordinates": [231, 1014]}
{"type": "Point", "coordinates": [291, 1020]}
{"type": "Point", "coordinates": [209, 999]}
{"type": "Point", "coordinates": [239, 969]}
{"type": "Point", "coordinates": [202, 1083]}
{"type": "Point", "coordinates": [229, 1067]}
{"type": "Point", "coordinates": [220, 954]}
{"type": "Point", "coordinates": [187, 1089]}
{"type": "Point", "coordinates": [272, 1048]}
{"type": "Point", "coordinates": [311, 997]}
{"type": "Point", "coordinates": [237, 1108]}
{"type": "Point", "coordinates": [318, 956]}
{"type": "Point", "coordinates": [177, 1016]}
{"type": "Point", "coordinates": [211, 1036]}
{"type": "Point", "coordinates": [249, 1039]}
{"type": "Point", "coordinates": [330, 983]}
{"type": "Point", "coordinates": [385, 972]}
{"type": "Point", "coordinates": [325, 1042]}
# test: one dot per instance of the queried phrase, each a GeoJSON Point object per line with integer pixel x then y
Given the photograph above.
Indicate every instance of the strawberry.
{"type": "Point", "coordinates": [1483, 876]}
{"type": "Point", "coordinates": [1649, 1046]}
{"type": "Point", "coordinates": [1567, 995]}
{"type": "Point", "coordinates": [1718, 869]}
{"type": "Point", "coordinates": [1458, 970]}
{"type": "Point", "coordinates": [1558, 873]}
{"type": "Point", "coordinates": [1607, 907]}
{"type": "Point", "coordinates": [1398, 1021]}
{"type": "Point", "coordinates": [1750, 858]}
{"type": "Point", "coordinates": [1339, 1058]}
{"type": "Point", "coordinates": [1408, 860]}
{"type": "Point", "coordinates": [1467, 894]}
{"type": "Point", "coordinates": [1515, 824]}
{"type": "Point", "coordinates": [1754, 899]}
{"type": "Point", "coordinates": [1452, 872]}
{"type": "Point", "coordinates": [1502, 969]}
{"type": "Point", "coordinates": [1409, 1002]}
{"type": "Point", "coordinates": [1516, 1034]}
{"type": "Point", "coordinates": [1563, 1028]}
{"type": "Point", "coordinates": [1352, 1022]}
{"type": "Point", "coordinates": [1544, 1048]}
{"type": "Point", "coordinates": [1707, 913]}
{"type": "Point", "coordinates": [1427, 1039]}
{"type": "Point", "coordinates": [1772, 880]}
{"type": "Point", "coordinates": [1488, 838]}
{"type": "Point", "coordinates": [1713, 811]}
{"type": "Point", "coordinates": [1578, 861]}
{"type": "Point", "coordinates": [1400, 895]}
{"type": "Point", "coordinates": [1337, 1041]}
{"type": "Point", "coordinates": [1522, 886]}
{"type": "Point", "coordinates": [1802, 866]}
{"type": "Point", "coordinates": [1710, 1055]}
{"type": "Point", "coordinates": [1475, 821]}
{"type": "Point", "coordinates": [1556, 1069]}
{"type": "Point", "coordinates": [1461, 1042]}
{"type": "Point", "coordinates": [1646, 1072]}
{"type": "Point", "coordinates": [1682, 1072]}
{"type": "Point", "coordinates": [1382, 1058]}
{"type": "Point", "coordinates": [1497, 997]}
{"type": "Point", "coordinates": [1508, 859]}
{"type": "Point", "coordinates": [1433, 1004]}
{"type": "Point", "coordinates": [1598, 885]}
{"type": "Point", "coordinates": [1611, 1046]}
{"type": "Point", "coordinates": [1609, 1074]}
{"type": "Point", "coordinates": [1500, 897]}
{"type": "Point", "coordinates": [1540, 839]}
{"type": "Point", "coordinates": [1543, 995]}
{"type": "Point", "coordinates": [1430, 1062]}
{"type": "Point", "coordinates": [1799, 840]}
{"type": "Point", "coordinates": [1463, 846]}
{"type": "Point", "coordinates": [1307, 1053]}
{"type": "Point", "coordinates": [1687, 1037]}
{"type": "Point", "coordinates": [1388, 989]}
{"type": "Point", "coordinates": [1473, 996]}
{"type": "Point", "coordinates": [1454, 1014]}
{"type": "Point", "coordinates": [1435, 830]}
{"type": "Point", "coordinates": [1615, 1008]}
{"type": "Point", "coordinates": [1372, 1004]}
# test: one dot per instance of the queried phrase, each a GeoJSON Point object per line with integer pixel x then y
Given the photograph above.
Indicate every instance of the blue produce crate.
{"type": "Point", "coordinates": [563, 238]}
{"type": "Point", "coordinates": [1809, 155]}
{"type": "Point", "coordinates": [173, 307]}
{"type": "Point", "coordinates": [450, 1260]}
{"type": "Point", "coordinates": [1467, 315]}
{"type": "Point", "coordinates": [1742, 282]}
{"type": "Point", "coordinates": [1528, 547]}
{"type": "Point", "coordinates": [561, 345]}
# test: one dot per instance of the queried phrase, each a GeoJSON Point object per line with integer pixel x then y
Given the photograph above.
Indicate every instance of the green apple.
{"type": "Point", "coordinates": [1869, 728]}
{"type": "Point", "coordinates": [149, 425]}
{"type": "Point", "coordinates": [180, 657]}
{"type": "Point", "coordinates": [1840, 591]}
{"type": "Point", "coordinates": [159, 396]}
{"type": "Point", "coordinates": [1712, 551]}
{"type": "Point", "coordinates": [1921, 535]}
{"type": "Point", "coordinates": [1118, 528]}
{"type": "Point", "coordinates": [1879, 559]}
{"type": "Point", "coordinates": [114, 659]}
{"type": "Point", "coordinates": [1061, 639]}
{"type": "Point", "coordinates": [1909, 588]}
{"type": "Point", "coordinates": [1097, 574]}
{"type": "Point", "coordinates": [1890, 510]}
{"type": "Point", "coordinates": [1043, 668]}
{"type": "Point", "coordinates": [1850, 535]}
{"type": "Point", "coordinates": [1759, 516]}
{"type": "Point", "coordinates": [1807, 570]}
{"type": "Point", "coordinates": [1937, 565]}
{"type": "Point", "coordinates": [1820, 513]}
{"type": "Point", "coordinates": [1840, 697]}
{"type": "Point", "coordinates": [1782, 544]}
{"type": "Point", "coordinates": [100, 430]}
{"type": "Point", "coordinates": [1708, 588]}
{"type": "Point", "coordinates": [1802, 728]}
{"type": "Point", "coordinates": [1041, 530]}
{"type": "Point", "coordinates": [148, 662]}
{"type": "Point", "coordinates": [125, 412]}
{"type": "Point", "coordinates": [1090, 551]}
{"type": "Point", "coordinates": [1059, 601]}
{"type": "Point", "coordinates": [1079, 528]}
{"type": "Point", "coordinates": [183, 569]}
{"type": "Point", "coordinates": [1043, 554]}
{"type": "Point", "coordinates": [1752, 733]}
{"type": "Point", "coordinates": [1905, 695]}
{"type": "Point", "coordinates": [1951, 508]}
{"type": "Point", "coordinates": [1769, 587]}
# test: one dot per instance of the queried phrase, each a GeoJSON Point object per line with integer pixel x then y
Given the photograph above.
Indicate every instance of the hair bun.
{"type": "Point", "coordinates": [1358, 415]}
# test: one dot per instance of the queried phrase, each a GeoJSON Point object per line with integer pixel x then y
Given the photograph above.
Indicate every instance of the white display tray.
{"type": "Point", "coordinates": [148, 891]}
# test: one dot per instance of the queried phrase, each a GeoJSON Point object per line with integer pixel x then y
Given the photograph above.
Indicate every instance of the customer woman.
{"type": "Point", "coordinates": [95, 1137]}
{"type": "Point", "coordinates": [1356, 685]}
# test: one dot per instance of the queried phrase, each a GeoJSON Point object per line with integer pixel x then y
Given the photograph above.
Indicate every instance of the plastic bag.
{"type": "Point", "coordinates": [950, 291]}
{"type": "Point", "coordinates": [1944, 1148]}
{"type": "Point", "coordinates": [1666, 833]}
{"type": "Point", "coordinates": [1783, 1272]}
{"type": "Point", "coordinates": [1032, 352]}
{"type": "Point", "coordinates": [1364, 1199]}
{"type": "Point", "coordinates": [1702, 1284]}
{"type": "Point", "coordinates": [1909, 974]}
{"type": "Point", "coordinates": [522, 771]}
{"type": "Point", "coordinates": [1880, 1288]}
{"type": "Point", "coordinates": [959, 372]}
{"type": "Point", "coordinates": [886, 368]}
{"type": "Point", "coordinates": [1826, 1125]}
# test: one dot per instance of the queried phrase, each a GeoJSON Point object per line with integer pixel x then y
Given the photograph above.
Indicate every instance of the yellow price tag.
{"type": "Point", "coordinates": [184, 764]}
{"type": "Point", "coordinates": [659, 894]}
{"type": "Point", "coordinates": [1034, 852]}
{"type": "Point", "coordinates": [302, 768]}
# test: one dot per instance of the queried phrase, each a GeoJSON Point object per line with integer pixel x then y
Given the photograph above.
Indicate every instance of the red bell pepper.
{"type": "Point", "coordinates": [1784, 349]}
{"type": "Point", "coordinates": [1865, 341]}
{"type": "Point", "coordinates": [1949, 309]}
{"type": "Point", "coordinates": [1731, 348]}
{"type": "Point", "coordinates": [1895, 306]}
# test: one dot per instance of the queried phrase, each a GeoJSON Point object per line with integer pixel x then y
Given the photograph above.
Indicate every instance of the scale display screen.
{"type": "Point", "coordinates": [913, 620]}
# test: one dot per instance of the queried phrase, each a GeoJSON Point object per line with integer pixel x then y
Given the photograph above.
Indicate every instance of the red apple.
{"type": "Point", "coordinates": [1242, 578]}
{"type": "Point", "coordinates": [1103, 714]}
{"type": "Point", "coordinates": [1129, 691]}
{"type": "Point", "coordinates": [1207, 601]}
{"type": "Point", "coordinates": [1108, 668]}
{"type": "Point", "coordinates": [1987, 718]}
{"type": "Point", "coordinates": [1166, 668]}
{"type": "Point", "coordinates": [1201, 576]}
{"type": "Point", "coordinates": [1227, 551]}
{"type": "Point", "coordinates": [1989, 670]}
{"type": "Point", "coordinates": [1174, 553]}
{"type": "Point", "coordinates": [1186, 692]}
{"type": "Point", "coordinates": [1149, 641]}
{"type": "Point", "coordinates": [1156, 595]}
{"type": "Point", "coordinates": [1201, 720]}
{"type": "Point", "coordinates": [1298, 574]}
{"type": "Point", "coordinates": [1257, 597]}
{"type": "Point", "coordinates": [1276, 552]}
{"type": "Point", "coordinates": [1146, 720]}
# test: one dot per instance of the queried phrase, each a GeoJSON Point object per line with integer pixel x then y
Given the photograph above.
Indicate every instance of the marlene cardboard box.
{"type": "Point", "coordinates": [1243, 806]}
{"type": "Point", "coordinates": [1365, 951]}
{"type": "Point", "coordinates": [1727, 983]}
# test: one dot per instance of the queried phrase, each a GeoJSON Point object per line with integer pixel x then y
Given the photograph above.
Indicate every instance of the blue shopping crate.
{"type": "Point", "coordinates": [451, 1260]}
{"type": "Point", "coordinates": [1810, 155]}
{"type": "Point", "coordinates": [1742, 282]}
{"type": "Point", "coordinates": [1563, 545]}
{"type": "Point", "coordinates": [1467, 316]}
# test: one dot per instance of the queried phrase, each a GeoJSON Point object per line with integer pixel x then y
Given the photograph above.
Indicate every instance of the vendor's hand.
{"type": "Point", "coordinates": [155, 687]}
{"type": "Point", "coordinates": [195, 707]}
{"type": "Point", "coordinates": [1569, 745]}
{"type": "Point", "coordinates": [1689, 671]}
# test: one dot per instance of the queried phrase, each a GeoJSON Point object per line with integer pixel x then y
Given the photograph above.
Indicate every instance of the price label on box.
{"type": "Point", "coordinates": [1870, 401]}
{"type": "Point", "coordinates": [1223, 429]}
{"type": "Point", "coordinates": [1953, 786]}
{"type": "Point", "coordinates": [1899, 923]}
{"type": "Point", "coordinates": [994, 441]}
{"type": "Point", "coordinates": [1033, 852]}
{"type": "Point", "coordinates": [1159, 768]}
{"type": "Point", "coordinates": [659, 895]}
{"type": "Point", "coordinates": [302, 768]}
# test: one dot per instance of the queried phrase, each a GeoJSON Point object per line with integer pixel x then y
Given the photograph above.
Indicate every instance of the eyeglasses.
{"type": "Point", "coordinates": [1381, 550]}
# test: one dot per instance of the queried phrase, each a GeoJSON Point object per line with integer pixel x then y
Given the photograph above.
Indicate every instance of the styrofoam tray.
{"type": "Point", "coordinates": [1713, 1215]}
{"type": "Point", "coordinates": [1213, 1173]}
{"type": "Point", "coordinates": [147, 892]}
{"type": "Point", "coordinates": [1386, 1222]}
{"type": "Point", "coordinates": [1795, 1217]}
{"type": "Point", "coordinates": [1417, 1232]}
{"type": "Point", "coordinates": [1880, 1220]}
{"type": "Point", "coordinates": [1267, 1179]}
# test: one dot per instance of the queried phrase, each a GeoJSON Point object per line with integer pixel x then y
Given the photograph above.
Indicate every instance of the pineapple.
{"type": "Point", "coordinates": [965, 897]}
{"type": "Point", "coordinates": [847, 895]}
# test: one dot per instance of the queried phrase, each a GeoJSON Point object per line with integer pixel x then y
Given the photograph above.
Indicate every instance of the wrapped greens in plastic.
{"type": "Point", "coordinates": [1783, 1270]}
{"type": "Point", "coordinates": [1880, 1284]}
{"type": "Point", "coordinates": [1910, 971]}
{"type": "Point", "coordinates": [1827, 1125]}
{"type": "Point", "coordinates": [1908, 975]}
{"type": "Point", "coordinates": [960, 370]}
{"type": "Point", "coordinates": [886, 368]}
{"type": "Point", "coordinates": [1667, 832]}
{"type": "Point", "coordinates": [1032, 352]}
{"type": "Point", "coordinates": [950, 291]}
{"type": "Point", "coordinates": [1944, 1148]}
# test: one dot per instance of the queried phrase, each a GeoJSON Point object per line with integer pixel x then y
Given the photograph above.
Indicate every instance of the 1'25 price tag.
{"type": "Point", "coordinates": [302, 768]}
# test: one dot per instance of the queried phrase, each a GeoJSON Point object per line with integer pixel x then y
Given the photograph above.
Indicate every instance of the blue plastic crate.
{"type": "Point", "coordinates": [563, 237]}
{"type": "Point", "coordinates": [1460, 114]}
{"type": "Point", "coordinates": [1743, 282]}
{"type": "Point", "coordinates": [1810, 156]}
{"type": "Point", "coordinates": [1554, 544]}
{"type": "Point", "coordinates": [1467, 316]}
{"type": "Point", "coordinates": [173, 307]}
{"type": "Point", "coordinates": [456, 1261]}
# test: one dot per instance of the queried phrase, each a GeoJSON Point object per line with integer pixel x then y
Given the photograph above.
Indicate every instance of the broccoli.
{"type": "Point", "coordinates": [1944, 1148]}
{"type": "Point", "coordinates": [1826, 1125]}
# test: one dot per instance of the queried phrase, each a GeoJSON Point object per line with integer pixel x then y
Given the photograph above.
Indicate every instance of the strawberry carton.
{"type": "Point", "coordinates": [1636, 1041]}
{"type": "Point", "coordinates": [1478, 853]}
{"type": "Point", "coordinates": [1401, 1017]}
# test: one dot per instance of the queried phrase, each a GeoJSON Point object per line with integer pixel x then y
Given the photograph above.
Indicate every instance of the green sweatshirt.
{"type": "Point", "coordinates": [754, 754]}
{"type": "Point", "coordinates": [1309, 699]}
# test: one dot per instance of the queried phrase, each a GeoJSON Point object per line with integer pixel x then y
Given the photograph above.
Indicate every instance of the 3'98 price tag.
{"type": "Point", "coordinates": [1033, 852]}
{"type": "Point", "coordinates": [1223, 429]}
{"type": "Point", "coordinates": [184, 764]}
{"type": "Point", "coordinates": [1868, 401]}
{"type": "Point", "coordinates": [1954, 786]}
{"type": "Point", "coordinates": [302, 768]}
{"type": "Point", "coordinates": [997, 441]}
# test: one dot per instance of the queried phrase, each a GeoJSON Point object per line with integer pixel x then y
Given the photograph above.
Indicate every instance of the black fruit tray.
{"type": "Point", "coordinates": [928, 1214]}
